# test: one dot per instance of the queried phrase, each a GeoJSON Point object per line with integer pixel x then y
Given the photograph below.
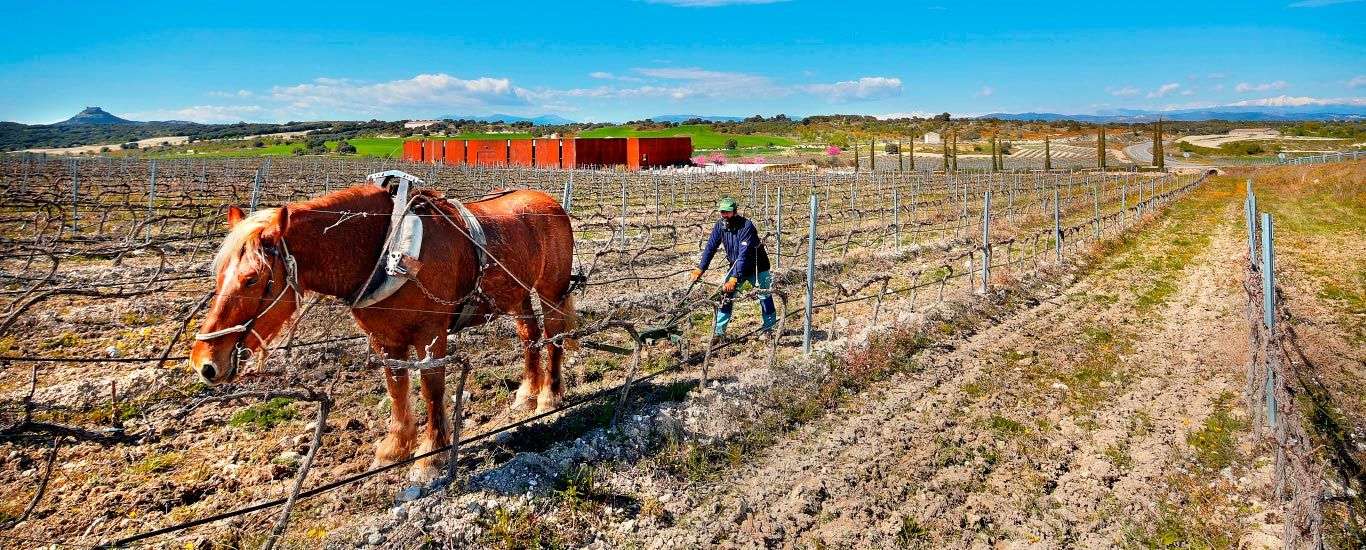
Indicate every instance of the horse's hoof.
{"type": "Point", "coordinates": [423, 473]}
{"type": "Point", "coordinates": [522, 403]}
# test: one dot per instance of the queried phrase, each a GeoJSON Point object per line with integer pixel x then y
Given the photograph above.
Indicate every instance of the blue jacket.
{"type": "Point", "coordinates": [744, 250]}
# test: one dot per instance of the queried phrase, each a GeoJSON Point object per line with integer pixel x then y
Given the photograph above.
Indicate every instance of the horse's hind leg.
{"type": "Point", "coordinates": [552, 387]}
{"type": "Point", "coordinates": [528, 331]}
{"type": "Point", "coordinates": [438, 433]}
{"type": "Point", "coordinates": [398, 444]}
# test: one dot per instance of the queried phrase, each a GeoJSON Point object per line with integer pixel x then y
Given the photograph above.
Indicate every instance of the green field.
{"type": "Point", "coordinates": [703, 136]}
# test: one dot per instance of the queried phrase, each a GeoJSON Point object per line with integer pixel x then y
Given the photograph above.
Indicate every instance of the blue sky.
{"type": "Point", "coordinates": [619, 60]}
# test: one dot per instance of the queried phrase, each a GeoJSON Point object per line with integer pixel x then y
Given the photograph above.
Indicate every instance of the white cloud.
{"type": "Point", "coordinates": [711, 3]}
{"type": "Point", "coordinates": [1357, 82]}
{"type": "Point", "coordinates": [604, 75]}
{"type": "Point", "coordinates": [1298, 101]}
{"type": "Point", "coordinates": [422, 92]}
{"type": "Point", "coordinates": [1244, 87]}
{"type": "Point", "coordinates": [680, 83]}
{"type": "Point", "coordinates": [986, 91]}
{"type": "Point", "coordinates": [866, 88]}
{"type": "Point", "coordinates": [208, 114]}
{"type": "Point", "coordinates": [1187, 92]}
{"type": "Point", "coordinates": [1125, 91]}
{"type": "Point", "coordinates": [238, 93]}
{"type": "Point", "coordinates": [1164, 89]}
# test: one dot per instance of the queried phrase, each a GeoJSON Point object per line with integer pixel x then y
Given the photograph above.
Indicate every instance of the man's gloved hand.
{"type": "Point", "coordinates": [696, 274]}
{"type": "Point", "coordinates": [730, 285]}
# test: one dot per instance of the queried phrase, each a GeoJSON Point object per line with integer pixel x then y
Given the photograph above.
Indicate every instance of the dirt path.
{"type": "Point", "coordinates": [1067, 425]}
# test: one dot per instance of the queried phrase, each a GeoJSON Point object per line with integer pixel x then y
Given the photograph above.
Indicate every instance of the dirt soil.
{"type": "Point", "coordinates": [1095, 407]}
{"type": "Point", "coordinates": [1062, 426]}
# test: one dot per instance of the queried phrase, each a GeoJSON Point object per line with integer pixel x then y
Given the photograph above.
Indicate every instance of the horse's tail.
{"type": "Point", "coordinates": [571, 321]}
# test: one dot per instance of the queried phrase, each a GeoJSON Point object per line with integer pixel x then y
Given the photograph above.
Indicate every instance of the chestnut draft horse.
{"type": "Point", "coordinates": [331, 244]}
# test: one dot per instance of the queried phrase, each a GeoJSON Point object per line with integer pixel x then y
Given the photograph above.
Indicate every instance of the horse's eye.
{"type": "Point", "coordinates": [251, 281]}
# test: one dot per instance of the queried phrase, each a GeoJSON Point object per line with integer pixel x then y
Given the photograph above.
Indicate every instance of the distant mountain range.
{"type": "Point", "coordinates": [1231, 113]}
{"type": "Point", "coordinates": [538, 120]}
{"type": "Point", "coordinates": [684, 118]}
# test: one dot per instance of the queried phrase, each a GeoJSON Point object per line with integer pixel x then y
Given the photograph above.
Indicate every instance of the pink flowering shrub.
{"type": "Point", "coordinates": [699, 160]}
{"type": "Point", "coordinates": [718, 158]}
{"type": "Point", "coordinates": [833, 151]}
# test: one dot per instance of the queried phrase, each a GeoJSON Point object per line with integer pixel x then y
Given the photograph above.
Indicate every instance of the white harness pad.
{"type": "Point", "coordinates": [403, 247]}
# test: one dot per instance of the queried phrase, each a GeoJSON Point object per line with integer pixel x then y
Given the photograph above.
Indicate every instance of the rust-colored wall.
{"type": "Point", "coordinates": [486, 152]}
{"type": "Point", "coordinates": [455, 152]}
{"type": "Point", "coordinates": [569, 156]}
{"type": "Point", "coordinates": [431, 150]}
{"type": "Point", "coordinates": [634, 153]}
{"type": "Point", "coordinates": [600, 152]}
{"type": "Point", "coordinates": [547, 153]}
{"type": "Point", "coordinates": [665, 151]}
{"type": "Point", "coordinates": [412, 151]}
{"type": "Point", "coordinates": [519, 152]}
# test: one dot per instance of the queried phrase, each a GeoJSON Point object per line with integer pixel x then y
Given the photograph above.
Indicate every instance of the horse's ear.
{"type": "Point", "coordinates": [234, 215]}
{"type": "Point", "coordinates": [277, 232]}
{"type": "Point", "coordinates": [282, 219]}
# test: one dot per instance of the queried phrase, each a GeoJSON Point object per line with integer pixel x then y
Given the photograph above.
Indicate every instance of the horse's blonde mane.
{"type": "Point", "coordinates": [245, 238]}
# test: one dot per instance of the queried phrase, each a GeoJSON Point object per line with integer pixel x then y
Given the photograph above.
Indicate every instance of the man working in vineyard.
{"type": "Point", "coordinates": [748, 263]}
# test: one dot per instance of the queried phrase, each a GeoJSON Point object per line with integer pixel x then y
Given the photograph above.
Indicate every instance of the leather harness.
{"type": "Point", "coordinates": [403, 246]}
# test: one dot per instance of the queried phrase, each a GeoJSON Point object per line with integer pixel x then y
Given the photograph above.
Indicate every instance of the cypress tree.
{"type": "Point", "coordinates": [944, 141]}
{"type": "Point", "coordinates": [900, 160]}
{"type": "Point", "coordinates": [856, 156]}
{"type": "Point", "coordinates": [992, 141]}
{"type": "Point", "coordinates": [1159, 156]}
{"type": "Point", "coordinates": [912, 152]}
{"type": "Point", "coordinates": [872, 152]}
{"type": "Point", "coordinates": [1047, 155]}
{"type": "Point", "coordinates": [955, 150]}
{"type": "Point", "coordinates": [1100, 148]}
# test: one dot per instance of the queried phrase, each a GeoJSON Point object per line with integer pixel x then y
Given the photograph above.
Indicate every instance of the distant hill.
{"type": "Point", "coordinates": [685, 118]}
{"type": "Point", "coordinates": [538, 120]}
{"type": "Point", "coordinates": [1248, 113]}
{"type": "Point", "coordinates": [94, 115]}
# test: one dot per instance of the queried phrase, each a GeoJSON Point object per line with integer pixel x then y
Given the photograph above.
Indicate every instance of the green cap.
{"type": "Point", "coordinates": [726, 204]}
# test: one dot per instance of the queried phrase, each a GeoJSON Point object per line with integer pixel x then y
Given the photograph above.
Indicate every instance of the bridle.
{"type": "Point", "coordinates": [239, 350]}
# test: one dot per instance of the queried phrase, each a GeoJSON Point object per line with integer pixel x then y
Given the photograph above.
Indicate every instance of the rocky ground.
{"type": "Point", "coordinates": [1093, 407]}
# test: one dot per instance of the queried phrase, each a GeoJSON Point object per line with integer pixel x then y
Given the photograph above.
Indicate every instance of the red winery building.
{"type": "Point", "coordinates": [633, 153]}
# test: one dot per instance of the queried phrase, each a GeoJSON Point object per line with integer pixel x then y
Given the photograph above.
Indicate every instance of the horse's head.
{"type": "Point", "coordinates": [256, 293]}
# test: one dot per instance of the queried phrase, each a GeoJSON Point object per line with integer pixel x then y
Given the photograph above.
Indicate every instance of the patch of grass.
{"type": "Point", "coordinates": [1216, 442]}
{"type": "Point", "coordinates": [264, 416]}
{"type": "Point", "coordinates": [1155, 294]}
{"type": "Point", "coordinates": [1118, 454]}
{"type": "Point", "coordinates": [1003, 427]}
{"type": "Point", "coordinates": [157, 463]}
{"type": "Point", "coordinates": [595, 367]}
{"type": "Point", "coordinates": [64, 340]}
{"type": "Point", "coordinates": [577, 489]}
{"type": "Point", "coordinates": [911, 534]}
{"type": "Point", "coordinates": [517, 529]}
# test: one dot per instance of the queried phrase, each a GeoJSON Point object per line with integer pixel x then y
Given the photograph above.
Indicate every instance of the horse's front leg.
{"type": "Point", "coordinates": [438, 433]}
{"type": "Point", "coordinates": [398, 444]}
